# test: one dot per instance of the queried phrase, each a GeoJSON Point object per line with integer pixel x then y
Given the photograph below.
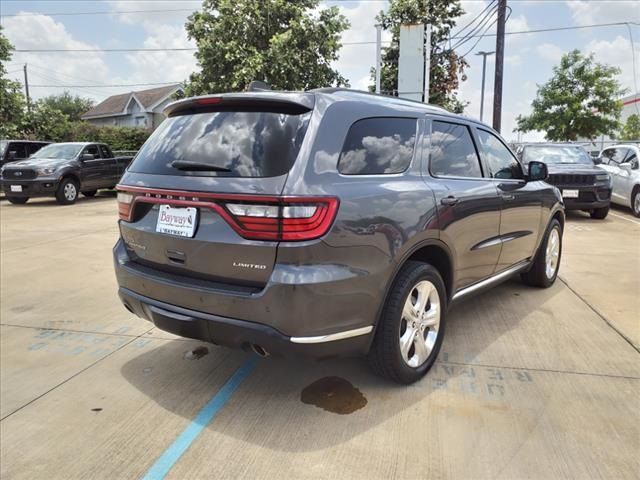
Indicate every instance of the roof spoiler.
{"type": "Point", "coordinates": [277, 102]}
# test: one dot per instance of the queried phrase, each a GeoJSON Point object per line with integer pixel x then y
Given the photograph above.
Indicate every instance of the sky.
{"type": "Point", "coordinates": [529, 58]}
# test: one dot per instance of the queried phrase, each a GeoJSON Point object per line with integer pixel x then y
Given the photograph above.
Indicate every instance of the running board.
{"type": "Point", "coordinates": [497, 278]}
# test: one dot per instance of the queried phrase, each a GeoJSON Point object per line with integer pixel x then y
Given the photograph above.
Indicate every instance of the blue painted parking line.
{"type": "Point", "coordinates": [172, 454]}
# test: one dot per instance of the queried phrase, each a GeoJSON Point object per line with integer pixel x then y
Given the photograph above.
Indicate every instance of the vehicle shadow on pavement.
{"type": "Point", "coordinates": [270, 399]}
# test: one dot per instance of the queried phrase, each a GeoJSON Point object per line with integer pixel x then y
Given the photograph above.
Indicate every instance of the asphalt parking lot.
{"type": "Point", "coordinates": [530, 383]}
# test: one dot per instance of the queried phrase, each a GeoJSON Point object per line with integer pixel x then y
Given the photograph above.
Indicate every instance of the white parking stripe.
{"type": "Point", "coordinates": [624, 218]}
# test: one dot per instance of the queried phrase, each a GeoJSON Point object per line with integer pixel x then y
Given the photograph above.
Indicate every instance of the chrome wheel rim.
{"type": "Point", "coordinates": [636, 203]}
{"type": "Point", "coordinates": [70, 191]}
{"type": "Point", "coordinates": [420, 323]}
{"type": "Point", "coordinates": [553, 252]}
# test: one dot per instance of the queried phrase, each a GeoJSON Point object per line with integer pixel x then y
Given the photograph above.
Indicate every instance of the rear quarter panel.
{"type": "Point", "coordinates": [380, 217]}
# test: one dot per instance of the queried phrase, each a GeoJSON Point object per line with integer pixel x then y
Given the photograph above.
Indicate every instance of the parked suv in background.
{"type": "Point", "coordinates": [325, 223]}
{"type": "Point", "coordinates": [621, 162]}
{"type": "Point", "coordinates": [584, 186]}
{"type": "Point", "coordinates": [63, 170]}
{"type": "Point", "coordinates": [14, 150]}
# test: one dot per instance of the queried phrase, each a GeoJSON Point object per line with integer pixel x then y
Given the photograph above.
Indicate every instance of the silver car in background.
{"type": "Point", "coordinates": [621, 161]}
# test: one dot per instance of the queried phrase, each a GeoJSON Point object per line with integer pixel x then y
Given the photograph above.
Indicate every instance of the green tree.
{"type": "Point", "coordinates": [72, 106]}
{"type": "Point", "coordinates": [12, 102]}
{"type": "Point", "coordinates": [45, 123]}
{"type": "Point", "coordinates": [446, 66]}
{"type": "Point", "coordinates": [580, 101]}
{"type": "Point", "coordinates": [631, 129]}
{"type": "Point", "coordinates": [288, 44]}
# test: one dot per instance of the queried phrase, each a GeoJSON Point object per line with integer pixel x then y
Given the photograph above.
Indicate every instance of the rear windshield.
{"type": "Point", "coordinates": [235, 144]}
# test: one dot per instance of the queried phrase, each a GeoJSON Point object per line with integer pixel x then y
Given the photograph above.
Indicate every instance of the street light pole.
{"type": "Point", "coordinates": [484, 71]}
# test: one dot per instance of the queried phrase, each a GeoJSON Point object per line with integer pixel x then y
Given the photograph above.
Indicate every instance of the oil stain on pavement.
{"type": "Point", "coordinates": [335, 395]}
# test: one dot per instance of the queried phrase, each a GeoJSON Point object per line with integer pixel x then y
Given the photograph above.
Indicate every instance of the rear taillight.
{"type": "Point", "coordinates": [253, 217]}
{"type": "Point", "coordinates": [125, 202]}
{"type": "Point", "coordinates": [290, 219]}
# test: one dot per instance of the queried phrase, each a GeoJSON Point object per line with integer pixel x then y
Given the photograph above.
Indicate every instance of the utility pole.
{"type": "Point", "coordinates": [427, 64]}
{"type": "Point", "coordinates": [484, 71]}
{"type": "Point", "coordinates": [378, 56]}
{"type": "Point", "coordinates": [26, 88]}
{"type": "Point", "coordinates": [497, 84]}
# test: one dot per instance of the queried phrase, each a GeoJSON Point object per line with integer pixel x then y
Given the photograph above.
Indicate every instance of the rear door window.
{"type": "Point", "coordinates": [453, 153]}
{"type": "Point", "coordinates": [378, 146]}
{"type": "Point", "coordinates": [246, 143]}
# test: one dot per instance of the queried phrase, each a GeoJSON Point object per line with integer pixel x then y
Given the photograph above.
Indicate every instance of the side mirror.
{"type": "Point", "coordinates": [626, 166]}
{"type": "Point", "coordinates": [597, 160]}
{"type": "Point", "coordinates": [87, 156]}
{"type": "Point", "coordinates": [537, 171]}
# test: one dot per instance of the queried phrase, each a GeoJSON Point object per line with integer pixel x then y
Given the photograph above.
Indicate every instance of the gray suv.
{"type": "Point", "coordinates": [324, 223]}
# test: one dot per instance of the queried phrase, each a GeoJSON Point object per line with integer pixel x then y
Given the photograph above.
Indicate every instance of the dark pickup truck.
{"type": "Point", "coordinates": [63, 170]}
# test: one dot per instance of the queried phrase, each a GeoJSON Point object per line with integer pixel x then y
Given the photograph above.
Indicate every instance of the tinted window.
{"type": "Point", "coordinates": [377, 146]}
{"type": "Point", "coordinates": [106, 153]}
{"type": "Point", "coordinates": [249, 144]}
{"type": "Point", "coordinates": [453, 153]}
{"type": "Point", "coordinates": [34, 147]}
{"type": "Point", "coordinates": [92, 150]}
{"type": "Point", "coordinates": [501, 163]}
{"type": "Point", "coordinates": [614, 156]}
{"type": "Point", "coordinates": [17, 150]}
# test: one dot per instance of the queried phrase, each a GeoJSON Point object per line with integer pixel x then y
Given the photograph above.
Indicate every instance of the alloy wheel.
{"type": "Point", "coordinates": [552, 253]}
{"type": "Point", "coordinates": [420, 323]}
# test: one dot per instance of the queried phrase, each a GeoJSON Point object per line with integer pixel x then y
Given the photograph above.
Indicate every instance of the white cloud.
{"type": "Point", "coordinates": [617, 53]}
{"type": "Point", "coordinates": [165, 30]}
{"type": "Point", "coordinates": [589, 12]}
{"type": "Point", "coordinates": [549, 51]}
{"type": "Point", "coordinates": [32, 32]}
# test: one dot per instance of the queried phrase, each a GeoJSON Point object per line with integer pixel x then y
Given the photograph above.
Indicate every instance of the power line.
{"type": "Point", "coordinates": [113, 50]}
{"type": "Point", "coordinates": [110, 12]}
{"type": "Point", "coordinates": [108, 86]}
{"type": "Point", "coordinates": [475, 30]}
{"type": "Point", "coordinates": [174, 10]}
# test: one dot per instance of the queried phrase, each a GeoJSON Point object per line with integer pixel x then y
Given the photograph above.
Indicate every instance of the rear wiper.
{"type": "Point", "coordinates": [198, 166]}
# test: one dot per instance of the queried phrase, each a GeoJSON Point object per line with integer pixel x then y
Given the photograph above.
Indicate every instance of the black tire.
{"type": "Point", "coordinates": [62, 193]}
{"type": "Point", "coordinates": [18, 200]}
{"type": "Point", "coordinates": [635, 197]}
{"type": "Point", "coordinates": [385, 356]}
{"type": "Point", "coordinates": [89, 193]}
{"type": "Point", "coordinates": [600, 213]}
{"type": "Point", "coordinates": [537, 276]}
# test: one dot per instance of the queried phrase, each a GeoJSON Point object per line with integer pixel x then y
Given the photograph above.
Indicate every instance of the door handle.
{"type": "Point", "coordinates": [450, 200]}
{"type": "Point", "coordinates": [508, 196]}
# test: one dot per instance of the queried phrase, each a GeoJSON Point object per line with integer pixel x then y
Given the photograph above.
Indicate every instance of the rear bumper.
{"type": "Point", "coordinates": [40, 187]}
{"type": "Point", "coordinates": [588, 199]}
{"type": "Point", "coordinates": [242, 334]}
{"type": "Point", "coordinates": [304, 309]}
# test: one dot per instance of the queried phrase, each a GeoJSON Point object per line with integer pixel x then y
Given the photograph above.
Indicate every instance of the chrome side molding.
{"type": "Point", "coordinates": [498, 277]}
{"type": "Point", "coordinates": [332, 337]}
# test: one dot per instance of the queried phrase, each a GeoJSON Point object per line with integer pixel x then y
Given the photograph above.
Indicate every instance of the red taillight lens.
{"type": "Point", "coordinates": [125, 202]}
{"type": "Point", "coordinates": [291, 219]}
{"type": "Point", "coordinates": [252, 216]}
